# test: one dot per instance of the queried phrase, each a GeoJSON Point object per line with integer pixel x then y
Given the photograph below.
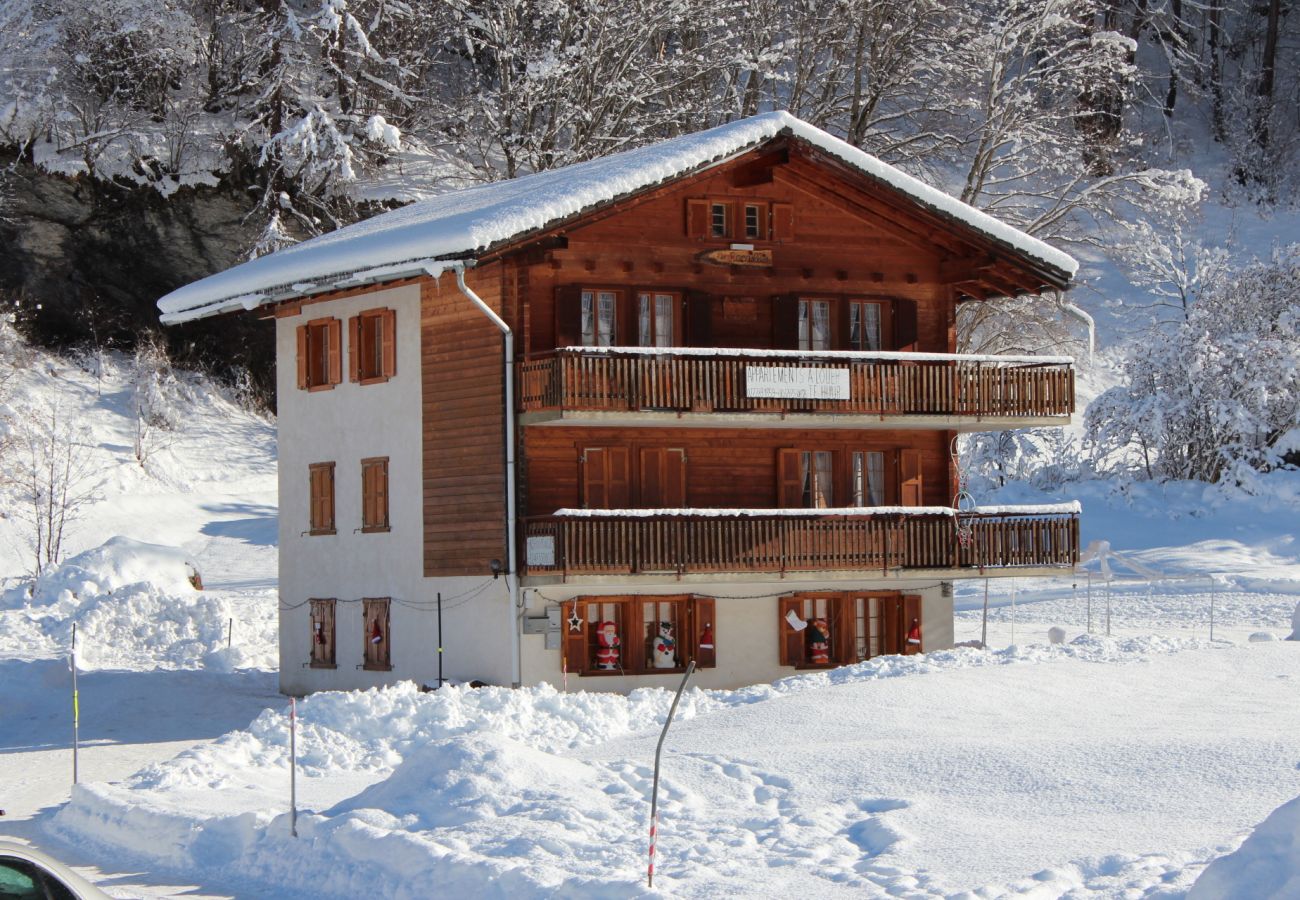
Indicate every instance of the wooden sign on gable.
{"type": "Point", "coordinates": [737, 257]}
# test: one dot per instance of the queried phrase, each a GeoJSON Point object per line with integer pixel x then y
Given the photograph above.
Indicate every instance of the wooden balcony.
{"type": "Point", "coordinates": [860, 542]}
{"type": "Point", "coordinates": [767, 386]}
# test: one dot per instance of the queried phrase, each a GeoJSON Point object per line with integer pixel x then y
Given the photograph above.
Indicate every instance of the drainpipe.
{"type": "Point", "coordinates": [1077, 313]}
{"type": "Point", "coordinates": [512, 568]}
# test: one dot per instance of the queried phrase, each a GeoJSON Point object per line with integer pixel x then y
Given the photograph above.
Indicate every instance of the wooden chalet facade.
{"type": "Point", "coordinates": [728, 419]}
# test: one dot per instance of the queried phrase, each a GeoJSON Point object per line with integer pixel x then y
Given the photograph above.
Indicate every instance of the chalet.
{"type": "Point", "coordinates": [697, 400]}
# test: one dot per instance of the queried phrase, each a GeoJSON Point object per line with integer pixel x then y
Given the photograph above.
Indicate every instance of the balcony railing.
{"type": "Point", "coordinates": [630, 542]}
{"type": "Point", "coordinates": [632, 379]}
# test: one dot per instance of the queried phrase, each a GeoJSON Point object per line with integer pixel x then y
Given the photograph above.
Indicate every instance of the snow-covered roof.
{"type": "Point", "coordinates": [461, 224]}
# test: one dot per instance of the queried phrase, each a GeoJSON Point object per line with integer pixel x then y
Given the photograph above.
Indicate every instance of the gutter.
{"type": "Point", "coordinates": [512, 567]}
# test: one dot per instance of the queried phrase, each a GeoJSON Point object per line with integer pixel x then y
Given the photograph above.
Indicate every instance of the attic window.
{"type": "Point", "coordinates": [372, 353]}
{"type": "Point", "coordinates": [718, 220]}
{"type": "Point", "coordinates": [320, 345]}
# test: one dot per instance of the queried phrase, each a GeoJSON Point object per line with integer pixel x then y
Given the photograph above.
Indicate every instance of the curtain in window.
{"type": "Point", "coordinates": [868, 479]}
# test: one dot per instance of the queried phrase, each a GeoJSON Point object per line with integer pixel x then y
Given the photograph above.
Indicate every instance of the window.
{"type": "Point", "coordinates": [839, 628]}
{"type": "Point", "coordinates": [656, 320]}
{"type": "Point", "coordinates": [718, 216]}
{"type": "Point", "coordinates": [638, 635]}
{"type": "Point", "coordinates": [372, 351]}
{"type": "Point", "coordinates": [320, 345]}
{"type": "Point", "coordinates": [376, 624]}
{"type": "Point", "coordinates": [322, 634]}
{"type": "Point", "coordinates": [756, 221]}
{"type": "Point", "coordinates": [599, 311]}
{"type": "Point", "coordinates": [807, 478]}
{"type": "Point", "coordinates": [374, 494]}
{"type": "Point", "coordinates": [864, 325]}
{"type": "Point", "coordinates": [868, 478]}
{"type": "Point", "coordinates": [321, 511]}
{"type": "Point", "coordinates": [663, 478]}
{"type": "Point", "coordinates": [814, 325]}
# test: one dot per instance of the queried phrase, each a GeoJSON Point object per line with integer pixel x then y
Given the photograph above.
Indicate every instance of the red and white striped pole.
{"type": "Point", "coordinates": [654, 789]}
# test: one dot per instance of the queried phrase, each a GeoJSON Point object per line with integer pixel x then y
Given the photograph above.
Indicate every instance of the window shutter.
{"type": "Point", "coordinates": [785, 322]}
{"type": "Point", "coordinates": [595, 478]}
{"type": "Point", "coordinates": [911, 610]}
{"type": "Point", "coordinates": [904, 324]}
{"type": "Point", "coordinates": [792, 642]}
{"type": "Point", "coordinates": [704, 633]}
{"type": "Point", "coordinates": [388, 341]}
{"type": "Point", "coordinates": [697, 218]}
{"type": "Point", "coordinates": [315, 492]}
{"type": "Point", "coordinates": [909, 477]}
{"type": "Point", "coordinates": [789, 479]}
{"type": "Point", "coordinates": [674, 483]}
{"type": "Point", "coordinates": [329, 497]}
{"type": "Point", "coordinates": [782, 222]}
{"type": "Point", "coordinates": [618, 465]}
{"type": "Point", "coordinates": [891, 615]}
{"type": "Point", "coordinates": [626, 320]}
{"type": "Point", "coordinates": [335, 351]}
{"type": "Point", "coordinates": [575, 642]}
{"type": "Point", "coordinates": [367, 495]}
{"type": "Point", "coordinates": [381, 493]}
{"type": "Point", "coordinates": [652, 471]}
{"type": "Point", "coordinates": [376, 633]}
{"type": "Point", "coordinates": [329, 631]}
{"type": "Point", "coordinates": [568, 316]}
{"type": "Point", "coordinates": [302, 357]}
{"type": "Point", "coordinates": [840, 340]}
{"type": "Point", "coordinates": [699, 308]}
{"type": "Point", "coordinates": [354, 348]}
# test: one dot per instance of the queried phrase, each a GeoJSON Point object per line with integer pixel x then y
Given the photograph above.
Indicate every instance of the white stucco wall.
{"type": "Point", "coordinates": [745, 631]}
{"type": "Point", "coordinates": [345, 425]}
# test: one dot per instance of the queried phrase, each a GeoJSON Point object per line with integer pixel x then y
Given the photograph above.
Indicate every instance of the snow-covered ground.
{"type": "Point", "coordinates": [1103, 766]}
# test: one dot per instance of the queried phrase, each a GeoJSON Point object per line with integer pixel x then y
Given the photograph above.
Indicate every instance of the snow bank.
{"type": "Point", "coordinates": [134, 607]}
{"type": "Point", "coordinates": [1266, 866]}
{"type": "Point", "coordinates": [489, 792]}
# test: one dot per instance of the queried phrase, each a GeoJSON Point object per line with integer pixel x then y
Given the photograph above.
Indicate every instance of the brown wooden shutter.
{"type": "Point", "coordinates": [704, 631]}
{"type": "Point", "coordinates": [697, 218]}
{"type": "Point", "coordinates": [909, 477]}
{"type": "Point", "coordinates": [782, 222]}
{"type": "Point", "coordinates": [904, 324]}
{"type": "Point", "coordinates": [626, 319]}
{"type": "Point", "coordinates": [575, 642]}
{"type": "Point", "coordinates": [618, 462]}
{"type": "Point", "coordinates": [843, 630]}
{"type": "Point", "coordinates": [388, 342]}
{"type": "Point", "coordinates": [843, 326]}
{"type": "Point", "coordinates": [335, 351]}
{"type": "Point", "coordinates": [911, 610]}
{"type": "Point", "coordinates": [316, 507]}
{"type": "Point", "coordinates": [789, 478]}
{"type": "Point", "coordinates": [674, 482]}
{"type": "Point", "coordinates": [785, 322]}
{"type": "Point", "coordinates": [302, 357]}
{"type": "Point", "coordinates": [652, 472]}
{"type": "Point", "coordinates": [891, 617]}
{"type": "Point", "coordinates": [330, 606]}
{"type": "Point", "coordinates": [699, 308]}
{"type": "Point", "coordinates": [354, 348]}
{"type": "Point", "coordinates": [322, 633]}
{"type": "Point", "coordinates": [381, 493]}
{"type": "Point", "coordinates": [568, 316]}
{"type": "Point", "coordinates": [329, 497]}
{"type": "Point", "coordinates": [595, 478]}
{"type": "Point", "coordinates": [791, 641]}
{"type": "Point", "coordinates": [377, 623]}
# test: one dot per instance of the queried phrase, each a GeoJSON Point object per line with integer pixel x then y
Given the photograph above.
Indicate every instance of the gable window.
{"type": "Point", "coordinates": [320, 354]}
{"type": "Point", "coordinates": [718, 220]}
{"type": "Point", "coordinates": [638, 635]}
{"type": "Point", "coordinates": [375, 620]}
{"type": "Point", "coordinates": [322, 634]}
{"type": "Point", "coordinates": [372, 351]}
{"type": "Point", "coordinates": [814, 325]}
{"type": "Point", "coordinates": [865, 325]}
{"type": "Point", "coordinates": [599, 318]}
{"type": "Point", "coordinates": [656, 320]}
{"type": "Point", "coordinates": [868, 478]}
{"type": "Point", "coordinates": [374, 494]}
{"type": "Point", "coordinates": [756, 221]}
{"type": "Point", "coordinates": [321, 494]}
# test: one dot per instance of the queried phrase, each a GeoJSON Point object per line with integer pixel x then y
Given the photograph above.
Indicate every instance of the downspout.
{"type": "Point", "coordinates": [1071, 310]}
{"type": "Point", "coordinates": [512, 568]}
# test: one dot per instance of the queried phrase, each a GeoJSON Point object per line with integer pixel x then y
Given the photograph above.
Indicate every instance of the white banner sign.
{"type": "Point", "coordinates": [797, 384]}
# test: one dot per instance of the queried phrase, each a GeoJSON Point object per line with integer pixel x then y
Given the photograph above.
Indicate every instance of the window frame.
{"type": "Point", "coordinates": [369, 504]}
{"type": "Point", "coordinates": [316, 502]}
{"type": "Point", "coordinates": [372, 347]}
{"type": "Point", "coordinates": [320, 354]}
{"type": "Point", "coordinates": [674, 308]}
{"type": "Point", "coordinates": [372, 660]}
{"type": "Point", "coordinates": [848, 641]}
{"type": "Point", "coordinates": [615, 308]}
{"type": "Point", "coordinates": [322, 612]}
{"type": "Point", "coordinates": [775, 219]}
{"type": "Point", "coordinates": [635, 634]}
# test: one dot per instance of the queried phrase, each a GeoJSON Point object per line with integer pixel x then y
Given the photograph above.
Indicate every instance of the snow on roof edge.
{"type": "Point", "coordinates": [1072, 507]}
{"type": "Point", "coordinates": [469, 221]}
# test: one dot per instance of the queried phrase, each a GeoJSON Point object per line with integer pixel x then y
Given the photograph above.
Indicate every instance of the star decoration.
{"type": "Point", "coordinates": [575, 623]}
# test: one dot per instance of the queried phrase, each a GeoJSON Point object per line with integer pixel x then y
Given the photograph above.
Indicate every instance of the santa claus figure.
{"type": "Point", "coordinates": [665, 648]}
{"type": "Point", "coordinates": [819, 643]}
{"type": "Point", "coordinates": [914, 637]}
{"type": "Point", "coordinates": [609, 644]}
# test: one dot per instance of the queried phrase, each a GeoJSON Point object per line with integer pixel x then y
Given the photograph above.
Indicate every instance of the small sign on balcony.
{"type": "Point", "coordinates": [790, 383]}
{"type": "Point", "coordinates": [541, 550]}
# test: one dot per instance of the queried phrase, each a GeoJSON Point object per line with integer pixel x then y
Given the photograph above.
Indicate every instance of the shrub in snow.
{"type": "Point", "coordinates": [1056, 634]}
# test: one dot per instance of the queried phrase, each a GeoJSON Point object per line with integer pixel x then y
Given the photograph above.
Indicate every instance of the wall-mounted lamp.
{"type": "Point", "coordinates": [495, 566]}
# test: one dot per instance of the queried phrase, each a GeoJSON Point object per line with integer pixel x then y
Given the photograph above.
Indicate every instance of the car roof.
{"type": "Point", "coordinates": [26, 852]}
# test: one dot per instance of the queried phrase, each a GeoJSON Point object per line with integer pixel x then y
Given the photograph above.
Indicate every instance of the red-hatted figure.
{"type": "Point", "coordinates": [914, 637]}
{"type": "Point", "coordinates": [819, 643]}
{"type": "Point", "coordinates": [607, 652]}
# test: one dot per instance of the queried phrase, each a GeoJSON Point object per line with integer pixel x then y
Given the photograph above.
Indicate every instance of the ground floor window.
{"type": "Point", "coordinates": [322, 634]}
{"type": "Point", "coordinates": [638, 635]}
{"type": "Point", "coordinates": [836, 628]}
{"type": "Point", "coordinates": [375, 620]}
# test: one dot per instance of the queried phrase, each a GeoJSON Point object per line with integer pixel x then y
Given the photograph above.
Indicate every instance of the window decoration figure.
{"type": "Point", "coordinates": [607, 653]}
{"type": "Point", "coordinates": [665, 647]}
{"type": "Point", "coordinates": [819, 642]}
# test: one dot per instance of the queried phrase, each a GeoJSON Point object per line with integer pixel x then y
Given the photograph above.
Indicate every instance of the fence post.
{"type": "Point", "coordinates": [654, 789]}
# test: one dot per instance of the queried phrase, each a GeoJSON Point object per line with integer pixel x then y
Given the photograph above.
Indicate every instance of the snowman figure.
{"type": "Point", "coordinates": [665, 647]}
{"type": "Point", "coordinates": [607, 652]}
